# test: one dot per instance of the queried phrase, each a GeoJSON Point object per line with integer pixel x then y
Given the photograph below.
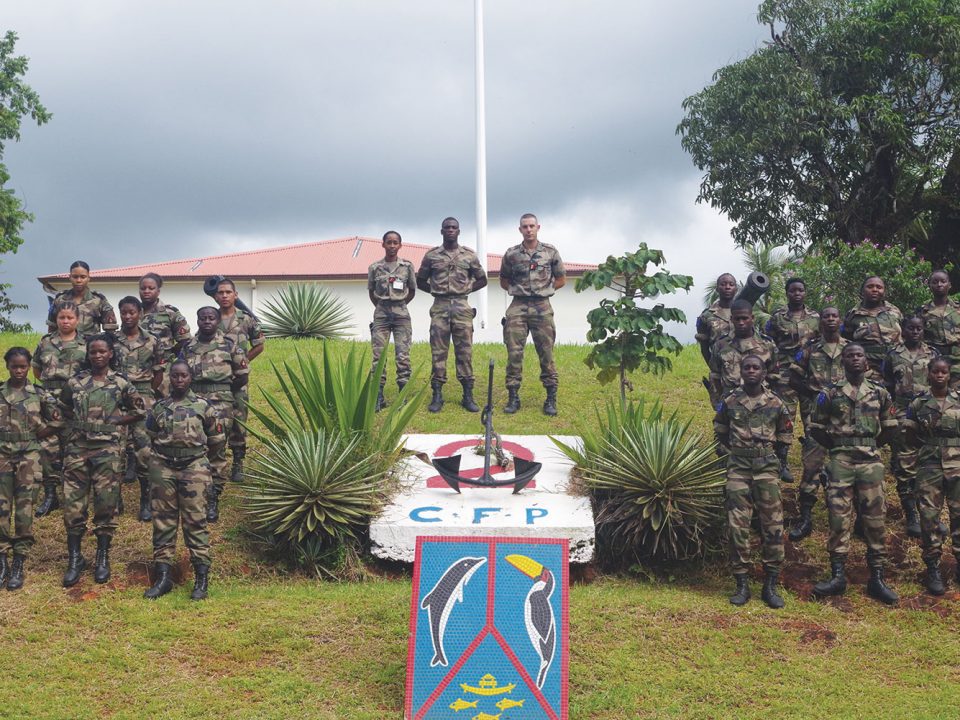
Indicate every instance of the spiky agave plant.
{"type": "Point", "coordinates": [306, 310]}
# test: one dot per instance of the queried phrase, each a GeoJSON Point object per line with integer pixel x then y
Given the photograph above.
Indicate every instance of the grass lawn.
{"type": "Point", "coordinates": [271, 644]}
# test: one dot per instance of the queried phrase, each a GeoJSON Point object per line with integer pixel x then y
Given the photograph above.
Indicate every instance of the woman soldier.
{"type": "Point", "coordinates": [141, 361]}
{"type": "Point", "coordinates": [184, 428]}
{"type": "Point", "coordinates": [874, 324]}
{"type": "Point", "coordinates": [219, 370]}
{"type": "Point", "coordinates": [164, 322]}
{"type": "Point", "coordinates": [95, 404]}
{"type": "Point", "coordinates": [94, 313]}
{"type": "Point", "coordinates": [27, 413]}
{"type": "Point", "coordinates": [57, 359]}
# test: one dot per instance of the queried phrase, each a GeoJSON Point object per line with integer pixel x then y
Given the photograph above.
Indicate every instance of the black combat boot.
{"type": "Point", "coordinates": [75, 562]}
{"type": "Point", "coordinates": [911, 517]}
{"type": "Point", "coordinates": [162, 585]}
{"type": "Point", "coordinates": [785, 474]}
{"type": "Point", "coordinates": [145, 515]}
{"type": "Point", "coordinates": [837, 584]}
{"type": "Point", "coordinates": [200, 576]}
{"type": "Point", "coordinates": [770, 595]}
{"type": "Point", "coordinates": [436, 404]}
{"type": "Point", "coordinates": [130, 473]}
{"type": "Point", "coordinates": [513, 401]}
{"type": "Point", "coordinates": [236, 471]}
{"type": "Point", "coordinates": [213, 504]}
{"type": "Point", "coordinates": [468, 402]}
{"type": "Point", "coordinates": [934, 582]}
{"type": "Point", "coordinates": [878, 589]}
{"type": "Point", "coordinates": [401, 384]}
{"type": "Point", "coordinates": [381, 401]}
{"type": "Point", "coordinates": [16, 573]}
{"type": "Point", "coordinates": [4, 570]}
{"type": "Point", "coordinates": [550, 404]}
{"type": "Point", "coordinates": [50, 501]}
{"type": "Point", "coordinates": [741, 595]}
{"type": "Point", "coordinates": [804, 524]}
{"type": "Point", "coordinates": [101, 566]}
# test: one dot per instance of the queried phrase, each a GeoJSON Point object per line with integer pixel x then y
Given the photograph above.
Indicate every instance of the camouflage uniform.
{"type": "Point", "coordinates": [877, 330]}
{"type": "Point", "coordinates": [246, 332]}
{"type": "Point", "coordinates": [214, 365]}
{"type": "Point", "coordinates": [905, 375]}
{"type": "Point", "coordinates": [854, 419]}
{"type": "Point", "coordinates": [450, 275]}
{"type": "Point", "coordinates": [168, 325]}
{"type": "Point", "coordinates": [23, 411]}
{"type": "Point", "coordinates": [748, 428]}
{"type": "Point", "coordinates": [183, 432]}
{"type": "Point", "coordinates": [941, 329]}
{"type": "Point", "coordinates": [937, 426]}
{"type": "Point", "coordinates": [790, 333]}
{"type": "Point", "coordinates": [730, 350]}
{"type": "Point", "coordinates": [139, 358]}
{"type": "Point", "coordinates": [713, 324]}
{"type": "Point", "coordinates": [390, 283]}
{"type": "Point", "coordinates": [95, 313]}
{"type": "Point", "coordinates": [90, 408]}
{"type": "Point", "coordinates": [531, 276]}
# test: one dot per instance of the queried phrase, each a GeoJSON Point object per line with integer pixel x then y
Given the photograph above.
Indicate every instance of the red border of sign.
{"type": "Point", "coordinates": [489, 629]}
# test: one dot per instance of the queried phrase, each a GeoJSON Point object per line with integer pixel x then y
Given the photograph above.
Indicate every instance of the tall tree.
{"type": "Point", "coordinates": [844, 126]}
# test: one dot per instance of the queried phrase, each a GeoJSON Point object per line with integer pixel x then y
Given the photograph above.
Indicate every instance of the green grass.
{"type": "Point", "coordinates": [274, 644]}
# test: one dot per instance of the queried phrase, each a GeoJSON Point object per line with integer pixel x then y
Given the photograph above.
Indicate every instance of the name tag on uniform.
{"type": "Point", "coordinates": [396, 283]}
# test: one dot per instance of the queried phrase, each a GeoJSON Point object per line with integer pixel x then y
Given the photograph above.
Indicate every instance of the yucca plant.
{"type": "Point", "coordinates": [306, 310]}
{"type": "Point", "coordinates": [656, 486]}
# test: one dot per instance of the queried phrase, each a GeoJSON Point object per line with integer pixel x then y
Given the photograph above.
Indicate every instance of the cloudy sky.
{"type": "Point", "coordinates": [192, 128]}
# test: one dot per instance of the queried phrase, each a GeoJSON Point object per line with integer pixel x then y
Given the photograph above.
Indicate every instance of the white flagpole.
{"type": "Point", "coordinates": [481, 159]}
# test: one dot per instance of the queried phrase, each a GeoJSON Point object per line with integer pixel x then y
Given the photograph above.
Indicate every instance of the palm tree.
{"type": "Point", "coordinates": [774, 261]}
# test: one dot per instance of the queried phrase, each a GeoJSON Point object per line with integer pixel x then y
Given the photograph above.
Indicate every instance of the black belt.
{"type": "Point", "coordinates": [100, 428]}
{"type": "Point", "coordinates": [855, 442]}
{"type": "Point", "coordinates": [173, 453]}
{"type": "Point", "coordinates": [202, 386]}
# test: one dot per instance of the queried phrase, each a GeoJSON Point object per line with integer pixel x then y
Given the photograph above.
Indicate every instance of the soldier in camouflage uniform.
{"type": "Point", "coordinates": [95, 404]}
{"type": "Point", "coordinates": [246, 333]}
{"type": "Point", "coordinates": [905, 377]}
{"type": "Point", "coordinates": [730, 350]}
{"type": "Point", "coordinates": [57, 359]}
{"type": "Point", "coordinates": [932, 424]}
{"type": "Point", "coordinates": [814, 368]}
{"type": "Point", "coordinates": [184, 429]}
{"type": "Point", "coordinates": [391, 285]}
{"type": "Point", "coordinates": [94, 313]}
{"type": "Point", "coordinates": [219, 368]}
{"type": "Point", "coordinates": [141, 361]}
{"type": "Point", "coordinates": [941, 322]}
{"type": "Point", "coordinates": [874, 324]}
{"type": "Point", "coordinates": [714, 323]}
{"type": "Point", "coordinates": [750, 426]}
{"type": "Point", "coordinates": [164, 322]}
{"type": "Point", "coordinates": [27, 413]}
{"type": "Point", "coordinates": [450, 272]}
{"type": "Point", "coordinates": [531, 272]}
{"type": "Point", "coordinates": [851, 419]}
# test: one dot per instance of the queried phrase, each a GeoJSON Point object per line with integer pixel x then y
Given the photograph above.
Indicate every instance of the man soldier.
{"type": "Point", "coordinates": [751, 426]}
{"type": "Point", "coordinates": [815, 368]}
{"type": "Point", "coordinates": [745, 340]}
{"type": "Point", "coordinates": [531, 272]}
{"type": "Point", "coordinates": [941, 322]}
{"type": "Point", "coordinates": [450, 272]}
{"type": "Point", "coordinates": [851, 419]}
{"type": "Point", "coordinates": [714, 323]}
{"type": "Point", "coordinates": [391, 284]}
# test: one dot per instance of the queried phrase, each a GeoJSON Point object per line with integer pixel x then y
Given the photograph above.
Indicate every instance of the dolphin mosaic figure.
{"type": "Point", "coordinates": [440, 600]}
{"type": "Point", "coordinates": [538, 612]}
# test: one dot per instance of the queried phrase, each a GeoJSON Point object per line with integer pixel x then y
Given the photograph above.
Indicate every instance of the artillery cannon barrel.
{"type": "Point", "coordinates": [754, 288]}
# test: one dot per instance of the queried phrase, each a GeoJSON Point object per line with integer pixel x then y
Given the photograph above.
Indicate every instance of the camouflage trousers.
{"type": "Point", "coordinates": [854, 480]}
{"type": "Point", "coordinates": [392, 317]}
{"type": "Point", "coordinates": [217, 455]}
{"type": "Point", "coordinates": [93, 468]}
{"type": "Point", "coordinates": [451, 317]}
{"type": "Point", "coordinates": [178, 495]}
{"type": "Point", "coordinates": [237, 433]}
{"type": "Point", "coordinates": [533, 316]}
{"type": "Point", "coordinates": [19, 475]}
{"type": "Point", "coordinates": [932, 489]}
{"type": "Point", "coordinates": [814, 458]}
{"type": "Point", "coordinates": [51, 460]}
{"type": "Point", "coordinates": [138, 438]}
{"type": "Point", "coordinates": [904, 466]}
{"type": "Point", "coordinates": [754, 483]}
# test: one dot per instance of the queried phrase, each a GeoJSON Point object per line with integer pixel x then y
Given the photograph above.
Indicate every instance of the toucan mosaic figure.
{"type": "Point", "coordinates": [538, 612]}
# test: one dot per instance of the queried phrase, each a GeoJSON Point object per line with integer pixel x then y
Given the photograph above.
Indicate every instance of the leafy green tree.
{"type": "Point", "coordinates": [628, 336]}
{"type": "Point", "coordinates": [844, 126]}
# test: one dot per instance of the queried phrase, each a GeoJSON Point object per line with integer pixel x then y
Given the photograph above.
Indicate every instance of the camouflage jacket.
{"type": "Point", "coordinates": [850, 414]}
{"type": "Point", "coordinates": [243, 329]}
{"type": "Point", "coordinates": [91, 407]}
{"type": "Point", "coordinates": [747, 422]}
{"type": "Point", "coordinates": [941, 326]}
{"type": "Point", "coordinates": [214, 365]}
{"type": "Point", "coordinates": [95, 313]}
{"type": "Point", "coordinates": [876, 329]}
{"type": "Point", "coordinates": [383, 279]}
{"type": "Point", "coordinates": [168, 325]}
{"type": "Point", "coordinates": [450, 272]}
{"type": "Point", "coordinates": [139, 358]}
{"type": "Point", "coordinates": [905, 372]}
{"type": "Point", "coordinates": [818, 365]}
{"type": "Point", "coordinates": [178, 426]}
{"type": "Point", "coordinates": [531, 274]}
{"type": "Point", "coordinates": [936, 426]}
{"type": "Point", "coordinates": [729, 350]}
{"type": "Point", "coordinates": [790, 334]}
{"type": "Point", "coordinates": [713, 324]}
{"type": "Point", "coordinates": [58, 360]}
{"type": "Point", "coordinates": [24, 411]}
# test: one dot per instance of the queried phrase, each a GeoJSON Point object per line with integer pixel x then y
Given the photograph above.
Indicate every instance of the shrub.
{"type": "Point", "coordinates": [306, 310]}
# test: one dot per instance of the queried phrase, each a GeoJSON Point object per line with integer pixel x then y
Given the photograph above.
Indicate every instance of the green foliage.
{"type": "Point", "coordinates": [7, 306]}
{"type": "Point", "coordinates": [834, 278]}
{"type": "Point", "coordinates": [774, 262]}
{"type": "Point", "coordinates": [628, 336]}
{"type": "Point", "coordinates": [305, 310]}
{"type": "Point", "coordinates": [657, 489]}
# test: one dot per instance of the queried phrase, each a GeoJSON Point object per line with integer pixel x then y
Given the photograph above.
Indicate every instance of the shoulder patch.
{"type": "Point", "coordinates": [720, 406]}
{"type": "Point", "coordinates": [768, 327]}
{"type": "Point", "coordinates": [822, 398]}
{"type": "Point", "coordinates": [799, 356]}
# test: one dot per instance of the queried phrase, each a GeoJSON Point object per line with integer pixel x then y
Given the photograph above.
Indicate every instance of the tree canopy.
{"type": "Point", "coordinates": [844, 126]}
